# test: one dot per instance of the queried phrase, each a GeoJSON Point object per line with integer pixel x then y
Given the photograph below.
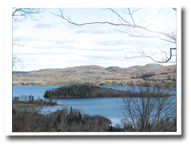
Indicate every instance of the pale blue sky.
{"type": "Point", "coordinates": [51, 42]}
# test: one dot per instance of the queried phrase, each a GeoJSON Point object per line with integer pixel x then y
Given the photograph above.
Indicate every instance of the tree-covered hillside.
{"type": "Point", "coordinates": [97, 75]}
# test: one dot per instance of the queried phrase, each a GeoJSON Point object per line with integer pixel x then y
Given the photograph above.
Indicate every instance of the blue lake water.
{"type": "Point", "coordinates": [109, 107]}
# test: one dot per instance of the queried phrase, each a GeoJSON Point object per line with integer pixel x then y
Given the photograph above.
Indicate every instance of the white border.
{"type": "Point", "coordinates": [8, 90]}
{"type": "Point", "coordinates": [8, 71]}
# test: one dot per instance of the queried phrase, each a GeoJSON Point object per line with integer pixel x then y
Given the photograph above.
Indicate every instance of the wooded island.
{"type": "Point", "coordinates": [88, 90]}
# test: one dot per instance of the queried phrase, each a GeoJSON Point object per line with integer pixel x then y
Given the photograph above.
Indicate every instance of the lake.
{"type": "Point", "coordinates": [108, 107]}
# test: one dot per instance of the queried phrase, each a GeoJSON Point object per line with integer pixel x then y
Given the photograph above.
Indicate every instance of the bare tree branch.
{"type": "Point", "coordinates": [16, 62]}
{"type": "Point", "coordinates": [133, 28]}
{"type": "Point", "coordinates": [142, 54]}
{"type": "Point", "coordinates": [18, 15]}
{"type": "Point", "coordinates": [149, 113]}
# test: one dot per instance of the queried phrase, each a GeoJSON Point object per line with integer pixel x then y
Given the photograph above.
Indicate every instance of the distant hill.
{"type": "Point", "coordinates": [97, 75]}
{"type": "Point", "coordinates": [78, 70]}
{"type": "Point", "coordinates": [153, 65]}
{"type": "Point", "coordinates": [21, 72]}
{"type": "Point", "coordinates": [92, 70]}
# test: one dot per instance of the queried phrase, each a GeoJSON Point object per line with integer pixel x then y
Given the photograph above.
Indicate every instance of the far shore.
{"type": "Point", "coordinates": [95, 85]}
{"type": "Point", "coordinates": [74, 97]}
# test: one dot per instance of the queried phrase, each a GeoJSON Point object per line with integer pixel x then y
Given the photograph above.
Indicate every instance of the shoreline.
{"type": "Point", "coordinates": [95, 85]}
{"type": "Point", "coordinates": [73, 97]}
{"type": "Point", "coordinates": [22, 104]}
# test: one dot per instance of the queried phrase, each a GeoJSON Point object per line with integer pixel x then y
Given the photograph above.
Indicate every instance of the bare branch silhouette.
{"type": "Point", "coordinates": [134, 28]}
{"type": "Point", "coordinates": [142, 54]}
{"type": "Point", "coordinates": [19, 15]}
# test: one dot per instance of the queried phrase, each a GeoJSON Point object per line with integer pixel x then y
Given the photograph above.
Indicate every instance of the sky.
{"type": "Point", "coordinates": [51, 42]}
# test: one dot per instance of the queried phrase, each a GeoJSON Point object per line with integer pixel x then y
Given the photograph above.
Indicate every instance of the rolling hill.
{"type": "Point", "coordinates": [96, 74]}
{"type": "Point", "coordinates": [90, 69]}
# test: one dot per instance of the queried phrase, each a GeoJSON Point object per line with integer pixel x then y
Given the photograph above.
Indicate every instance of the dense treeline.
{"type": "Point", "coordinates": [81, 90]}
{"type": "Point", "coordinates": [88, 90]}
{"type": "Point", "coordinates": [64, 120]}
{"type": "Point", "coordinates": [31, 120]}
{"type": "Point", "coordinates": [164, 125]}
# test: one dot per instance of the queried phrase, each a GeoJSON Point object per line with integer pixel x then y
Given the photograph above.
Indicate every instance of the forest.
{"type": "Point", "coordinates": [97, 75]}
{"type": "Point", "coordinates": [89, 90]}
{"type": "Point", "coordinates": [64, 120]}
{"type": "Point", "coordinates": [81, 90]}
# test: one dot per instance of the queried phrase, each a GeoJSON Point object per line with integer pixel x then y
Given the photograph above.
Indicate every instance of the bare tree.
{"type": "Point", "coordinates": [149, 113]}
{"type": "Point", "coordinates": [19, 15]}
{"type": "Point", "coordinates": [133, 23]}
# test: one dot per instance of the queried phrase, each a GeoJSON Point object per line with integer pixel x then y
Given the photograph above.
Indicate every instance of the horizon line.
{"type": "Point", "coordinates": [84, 66]}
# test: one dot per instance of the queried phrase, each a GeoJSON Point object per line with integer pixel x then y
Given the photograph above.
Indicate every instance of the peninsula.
{"type": "Point", "coordinates": [88, 90]}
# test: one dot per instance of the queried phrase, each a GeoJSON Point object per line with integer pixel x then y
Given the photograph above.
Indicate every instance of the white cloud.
{"type": "Point", "coordinates": [53, 43]}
